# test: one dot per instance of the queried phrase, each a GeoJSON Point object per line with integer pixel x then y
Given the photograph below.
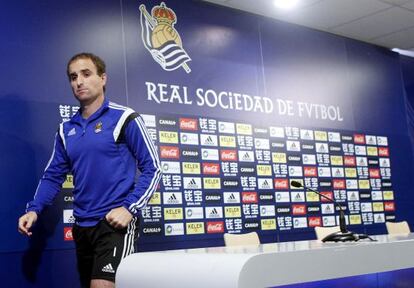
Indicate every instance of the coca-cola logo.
{"type": "Point", "coordinates": [228, 155]}
{"type": "Point", "coordinates": [211, 168]}
{"type": "Point", "coordinates": [315, 221]}
{"type": "Point", "coordinates": [67, 231]}
{"type": "Point", "coordinates": [215, 227]}
{"type": "Point", "coordinates": [327, 194]}
{"type": "Point", "coordinates": [188, 124]}
{"type": "Point", "coordinates": [383, 151]}
{"type": "Point", "coordinates": [349, 161]}
{"type": "Point", "coordinates": [298, 209]}
{"type": "Point", "coordinates": [249, 197]}
{"type": "Point", "coordinates": [310, 171]}
{"type": "Point", "coordinates": [374, 173]}
{"type": "Point", "coordinates": [389, 206]}
{"type": "Point", "coordinates": [169, 152]}
{"type": "Point", "coordinates": [339, 184]}
{"type": "Point", "coordinates": [281, 184]}
{"type": "Point", "coordinates": [359, 138]}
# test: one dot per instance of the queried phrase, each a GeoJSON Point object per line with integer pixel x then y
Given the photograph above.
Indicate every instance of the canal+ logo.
{"type": "Point", "coordinates": [161, 39]}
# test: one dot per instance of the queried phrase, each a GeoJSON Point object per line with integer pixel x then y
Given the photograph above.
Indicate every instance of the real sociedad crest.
{"type": "Point", "coordinates": [161, 39]}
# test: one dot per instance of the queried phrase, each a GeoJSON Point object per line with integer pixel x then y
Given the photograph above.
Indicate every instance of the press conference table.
{"type": "Point", "coordinates": [266, 265]}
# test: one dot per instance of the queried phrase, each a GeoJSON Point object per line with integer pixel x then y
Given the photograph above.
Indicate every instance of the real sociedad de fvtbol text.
{"type": "Point", "coordinates": [174, 94]}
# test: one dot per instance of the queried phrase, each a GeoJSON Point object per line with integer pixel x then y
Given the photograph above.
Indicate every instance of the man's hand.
{"type": "Point", "coordinates": [119, 217]}
{"type": "Point", "coordinates": [26, 222]}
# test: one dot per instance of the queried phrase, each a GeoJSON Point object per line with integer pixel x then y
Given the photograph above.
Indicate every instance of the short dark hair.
{"type": "Point", "coordinates": [98, 62]}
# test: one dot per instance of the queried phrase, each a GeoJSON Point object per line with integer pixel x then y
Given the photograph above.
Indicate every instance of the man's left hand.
{"type": "Point", "coordinates": [119, 217]}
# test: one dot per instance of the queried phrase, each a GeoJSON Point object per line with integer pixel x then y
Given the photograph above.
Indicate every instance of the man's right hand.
{"type": "Point", "coordinates": [26, 222]}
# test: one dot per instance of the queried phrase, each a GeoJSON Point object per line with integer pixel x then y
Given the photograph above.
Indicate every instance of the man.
{"type": "Point", "coordinates": [102, 146]}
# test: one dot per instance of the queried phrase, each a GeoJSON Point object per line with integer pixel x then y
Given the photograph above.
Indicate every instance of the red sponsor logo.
{"type": "Point", "coordinates": [314, 221]}
{"type": "Point", "coordinates": [389, 206]}
{"type": "Point", "coordinates": [310, 171]}
{"type": "Point", "coordinates": [338, 184]}
{"type": "Point", "coordinates": [67, 234]}
{"type": "Point", "coordinates": [383, 151]}
{"type": "Point", "coordinates": [211, 168]}
{"type": "Point", "coordinates": [188, 124]}
{"type": "Point", "coordinates": [349, 161]}
{"type": "Point", "coordinates": [327, 194]}
{"type": "Point", "coordinates": [228, 155]}
{"type": "Point", "coordinates": [298, 209]}
{"type": "Point", "coordinates": [249, 197]}
{"type": "Point", "coordinates": [359, 138]}
{"type": "Point", "coordinates": [169, 152]}
{"type": "Point", "coordinates": [215, 227]}
{"type": "Point", "coordinates": [281, 184]}
{"type": "Point", "coordinates": [374, 173]}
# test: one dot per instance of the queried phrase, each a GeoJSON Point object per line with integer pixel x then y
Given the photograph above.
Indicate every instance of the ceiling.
{"type": "Point", "coordinates": [388, 23]}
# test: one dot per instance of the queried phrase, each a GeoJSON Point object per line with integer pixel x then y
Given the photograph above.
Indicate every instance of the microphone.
{"type": "Point", "coordinates": [343, 235]}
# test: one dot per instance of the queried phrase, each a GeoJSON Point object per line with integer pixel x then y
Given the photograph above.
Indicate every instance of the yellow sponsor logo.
{"type": "Point", "coordinates": [173, 213]}
{"type": "Point", "coordinates": [363, 184]}
{"type": "Point", "coordinates": [155, 199]}
{"type": "Point", "coordinates": [227, 141]}
{"type": "Point", "coordinates": [195, 228]}
{"type": "Point", "coordinates": [312, 197]}
{"type": "Point", "coordinates": [168, 137]}
{"type": "Point", "coordinates": [321, 136]}
{"type": "Point", "coordinates": [191, 168]}
{"type": "Point", "coordinates": [232, 212]}
{"type": "Point", "coordinates": [68, 184]}
{"type": "Point", "coordinates": [268, 224]}
{"type": "Point", "coordinates": [264, 170]}
{"type": "Point", "coordinates": [372, 151]}
{"type": "Point", "coordinates": [377, 206]}
{"type": "Point", "coordinates": [244, 129]}
{"type": "Point", "coordinates": [388, 195]}
{"type": "Point", "coordinates": [350, 172]}
{"type": "Point", "coordinates": [279, 157]}
{"type": "Point", "coordinates": [212, 183]}
{"type": "Point", "coordinates": [337, 160]}
{"type": "Point", "coordinates": [355, 219]}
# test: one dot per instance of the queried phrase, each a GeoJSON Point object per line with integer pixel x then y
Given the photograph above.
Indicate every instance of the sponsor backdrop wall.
{"type": "Point", "coordinates": [238, 106]}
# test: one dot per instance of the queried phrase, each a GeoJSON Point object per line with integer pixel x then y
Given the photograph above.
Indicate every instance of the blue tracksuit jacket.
{"type": "Point", "coordinates": [103, 153]}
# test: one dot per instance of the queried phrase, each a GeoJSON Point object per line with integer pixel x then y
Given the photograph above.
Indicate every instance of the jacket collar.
{"type": "Point", "coordinates": [77, 118]}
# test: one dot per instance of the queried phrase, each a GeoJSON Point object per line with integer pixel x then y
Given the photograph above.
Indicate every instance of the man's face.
{"type": "Point", "coordinates": [87, 85]}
